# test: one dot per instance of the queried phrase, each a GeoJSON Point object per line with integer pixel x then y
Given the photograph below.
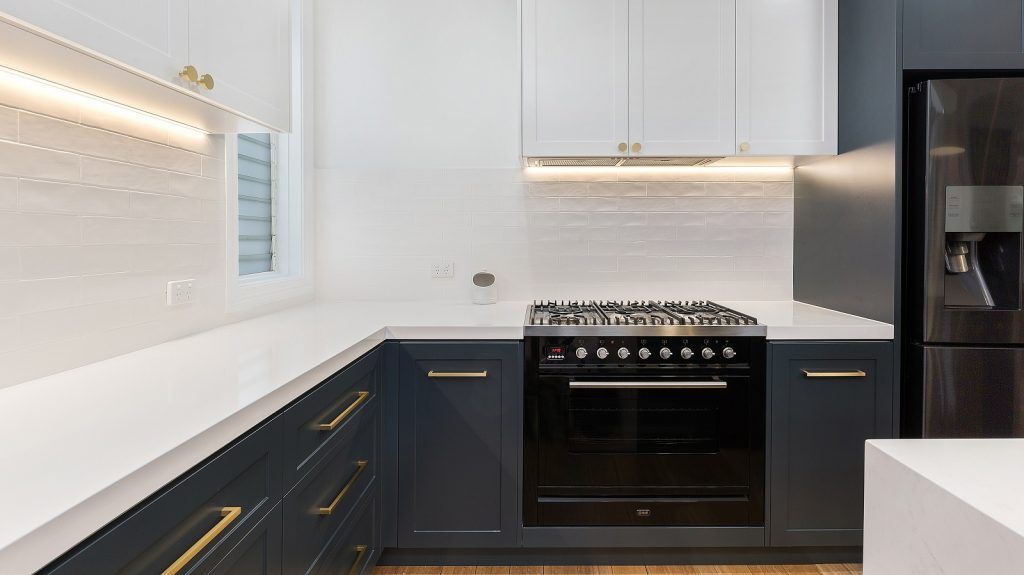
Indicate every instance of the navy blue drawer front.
{"type": "Point", "coordinates": [259, 552]}
{"type": "Point", "coordinates": [317, 419]}
{"type": "Point", "coordinates": [323, 500]}
{"type": "Point", "coordinates": [200, 517]}
{"type": "Point", "coordinates": [356, 548]}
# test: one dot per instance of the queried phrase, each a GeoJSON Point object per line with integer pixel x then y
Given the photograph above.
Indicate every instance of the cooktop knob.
{"type": "Point", "coordinates": [602, 353]}
{"type": "Point", "coordinates": [623, 353]}
{"type": "Point", "coordinates": [686, 353]}
{"type": "Point", "coordinates": [728, 353]}
{"type": "Point", "coordinates": [665, 353]}
{"type": "Point", "coordinates": [644, 353]}
{"type": "Point", "coordinates": [707, 353]}
{"type": "Point", "coordinates": [581, 352]}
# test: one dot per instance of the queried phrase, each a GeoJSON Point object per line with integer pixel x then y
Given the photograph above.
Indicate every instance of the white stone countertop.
{"type": "Point", "coordinates": [83, 446]}
{"type": "Point", "coordinates": [944, 506]}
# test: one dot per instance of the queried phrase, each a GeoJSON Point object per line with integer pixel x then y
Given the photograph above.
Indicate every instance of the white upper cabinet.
{"type": "Point", "coordinates": [682, 77]}
{"type": "Point", "coordinates": [575, 74]}
{"type": "Point", "coordinates": [148, 35]}
{"type": "Point", "coordinates": [242, 45]}
{"type": "Point", "coordinates": [679, 77]}
{"type": "Point", "coordinates": [787, 66]}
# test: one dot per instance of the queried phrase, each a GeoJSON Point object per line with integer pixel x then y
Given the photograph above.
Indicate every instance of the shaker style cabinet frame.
{"type": "Point", "coordinates": [460, 428]}
{"type": "Point", "coordinates": [242, 46]}
{"type": "Point", "coordinates": [963, 34]}
{"type": "Point", "coordinates": [827, 399]}
{"type": "Point", "coordinates": [664, 78]}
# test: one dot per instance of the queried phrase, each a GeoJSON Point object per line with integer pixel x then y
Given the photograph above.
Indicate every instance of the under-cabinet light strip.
{"type": "Point", "coordinates": [23, 81]}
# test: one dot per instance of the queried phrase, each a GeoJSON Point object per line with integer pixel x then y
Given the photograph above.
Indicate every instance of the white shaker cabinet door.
{"type": "Point", "coordinates": [575, 75]}
{"type": "Point", "coordinates": [787, 77]}
{"type": "Point", "coordinates": [682, 72]}
{"type": "Point", "coordinates": [148, 35]}
{"type": "Point", "coordinates": [245, 45]}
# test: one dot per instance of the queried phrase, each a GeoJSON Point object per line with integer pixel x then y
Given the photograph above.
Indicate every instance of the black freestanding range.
{"type": "Point", "coordinates": [643, 413]}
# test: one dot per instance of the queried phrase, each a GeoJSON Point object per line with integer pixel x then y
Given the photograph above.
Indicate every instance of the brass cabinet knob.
{"type": "Point", "coordinates": [622, 146]}
{"type": "Point", "coordinates": [636, 147]}
{"type": "Point", "coordinates": [745, 147]}
{"type": "Point", "coordinates": [189, 73]}
{"type": "Point", "coordinates": [206, 81]}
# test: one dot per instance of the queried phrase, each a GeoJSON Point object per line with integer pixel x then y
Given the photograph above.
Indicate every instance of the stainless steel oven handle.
{"type": "Point", "coordinates": [648, 385]}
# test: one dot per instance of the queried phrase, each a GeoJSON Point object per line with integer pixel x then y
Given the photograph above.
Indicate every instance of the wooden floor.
{"type": "Point", "coordinates": [832, 569]}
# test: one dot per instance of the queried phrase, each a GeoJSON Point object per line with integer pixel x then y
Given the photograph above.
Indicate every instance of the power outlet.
{"type": "Point", "coordinates": [442, 269]}
{"type": "Point", "coordinates": [180, 292]}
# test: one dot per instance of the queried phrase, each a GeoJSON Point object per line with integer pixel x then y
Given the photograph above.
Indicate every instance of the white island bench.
{"type": "Point", "coordinates": [944, 506]}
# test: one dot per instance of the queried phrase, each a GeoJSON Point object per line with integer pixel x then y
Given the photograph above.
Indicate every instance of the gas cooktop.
{"type": "Point", "coordinates": [638, 318]}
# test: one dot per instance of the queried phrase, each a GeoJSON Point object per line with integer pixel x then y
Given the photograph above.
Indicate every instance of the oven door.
{"type": "Point", "coordinates": [644, 436]}
{"type": "Point", "coordinates": [647, 450]}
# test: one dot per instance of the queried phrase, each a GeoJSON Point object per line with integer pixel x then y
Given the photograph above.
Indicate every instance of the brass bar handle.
{"type": "Point", "coordinates": [360, 467]}
{"type": "Point", "coordinates": [228, 515]}
{"type": "Point", "coordinates": [456, 374]}
{"type": "Point", "coordinates": [329, 426]}
{"type": "Point", "coordinates": [833, 374]}
{"type": "Point", "coordinates": [648, 385]}
{"type": "Point", "coordinates": [360, 551]}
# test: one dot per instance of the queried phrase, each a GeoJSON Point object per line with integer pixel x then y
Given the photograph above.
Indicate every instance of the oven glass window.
{"type": "Point", "coordinates": [644, 421]}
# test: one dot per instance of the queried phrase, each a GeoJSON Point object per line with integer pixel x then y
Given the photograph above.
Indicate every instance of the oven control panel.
{"type": "Point", "coordinates": [653, 351]}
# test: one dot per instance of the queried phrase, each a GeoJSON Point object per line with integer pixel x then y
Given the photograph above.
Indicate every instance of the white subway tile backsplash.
{"type": "Point", "coordinates": [100, 230]}
{"type": "Point", "coordinates": [701, 232]}
{"type": "Point", "coordinates": [25, 229]}
{"type": "Point", "coordinates": [112, 174]}
{"type": "Point", "coordinates": [616, 189]}
{"type": "Point", "coordinates": [735, 189]}
{"type": "Point", "coordinates": [106, 259]}
{"type": "Point", "coordinates": [32, 296]}
{"type": "Point", "coordinates": [46, 132]}
{"type": "Point", "coordinates": [195, 187]}
{"type": "Point", "coordinates": [98, 211]}
{"type": "Point", "coordinates": [778, 219]}
{"type": "Point", "coordinates": [782, 189]}
{"type": "Point", "coordinates": [213, 168]}
{"type": "Point", "coordinates": [649, 233]}
{"type": "Point", "coordinates": [166, 207]}
{"type": "Point", "coordinates": [676, 189]}
{"type": "Point", "coordinates": [8, 194]}
{"type": "Point", "coordinates": [55, 197]}
{"type": "Point", "coordinates": [10, 263]}
{"type": "Point", "coordinates": [32, 162]}
{"type": "Point", "coordinates": [39, 262]}
{"type": "Point", "coordinates": [8, 124]}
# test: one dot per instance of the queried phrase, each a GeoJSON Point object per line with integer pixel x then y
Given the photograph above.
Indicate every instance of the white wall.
{"type": "Point", "coordinates": [97, 212]}
{"type": "Point", "coordinates": [417, 159]}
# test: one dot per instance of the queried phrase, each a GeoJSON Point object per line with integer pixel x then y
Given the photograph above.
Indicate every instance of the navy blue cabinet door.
{"type": "Point", "coordinates": [827, 399]}
{"type": "Point", "coordinates": [968, 34]}
{"type": "Point", "coordinates": [460, 414]}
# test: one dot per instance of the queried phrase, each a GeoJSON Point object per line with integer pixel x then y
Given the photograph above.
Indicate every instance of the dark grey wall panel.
{"type": "Point", "coordinates": [963, 34]}
{"type": "Point", "coordinates": [845, 238]}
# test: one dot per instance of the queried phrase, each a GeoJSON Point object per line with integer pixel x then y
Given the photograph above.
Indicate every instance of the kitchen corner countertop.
{"type": "Point", "coordinates": [944, 506]}
{"type": "Point", "coordinates": [83, 446]}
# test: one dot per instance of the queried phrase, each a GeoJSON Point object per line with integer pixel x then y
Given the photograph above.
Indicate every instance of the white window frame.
{"type": "Point", "coordinates": [291, 280]}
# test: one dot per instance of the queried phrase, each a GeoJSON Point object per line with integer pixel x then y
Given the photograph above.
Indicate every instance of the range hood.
{"type": "Point", "coordinates": [618, 161]}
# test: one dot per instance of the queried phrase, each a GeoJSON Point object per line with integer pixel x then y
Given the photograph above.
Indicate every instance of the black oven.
{"type": "Point", "coordinates": [644, 443]}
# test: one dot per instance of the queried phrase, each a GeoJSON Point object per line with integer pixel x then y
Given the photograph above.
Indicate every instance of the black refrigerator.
{"type": "Point", "coordinates": [963, 314]}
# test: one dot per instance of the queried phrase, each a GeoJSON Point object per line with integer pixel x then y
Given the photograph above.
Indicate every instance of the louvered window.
{"type": "Point", "coordinates": [257, 203]}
